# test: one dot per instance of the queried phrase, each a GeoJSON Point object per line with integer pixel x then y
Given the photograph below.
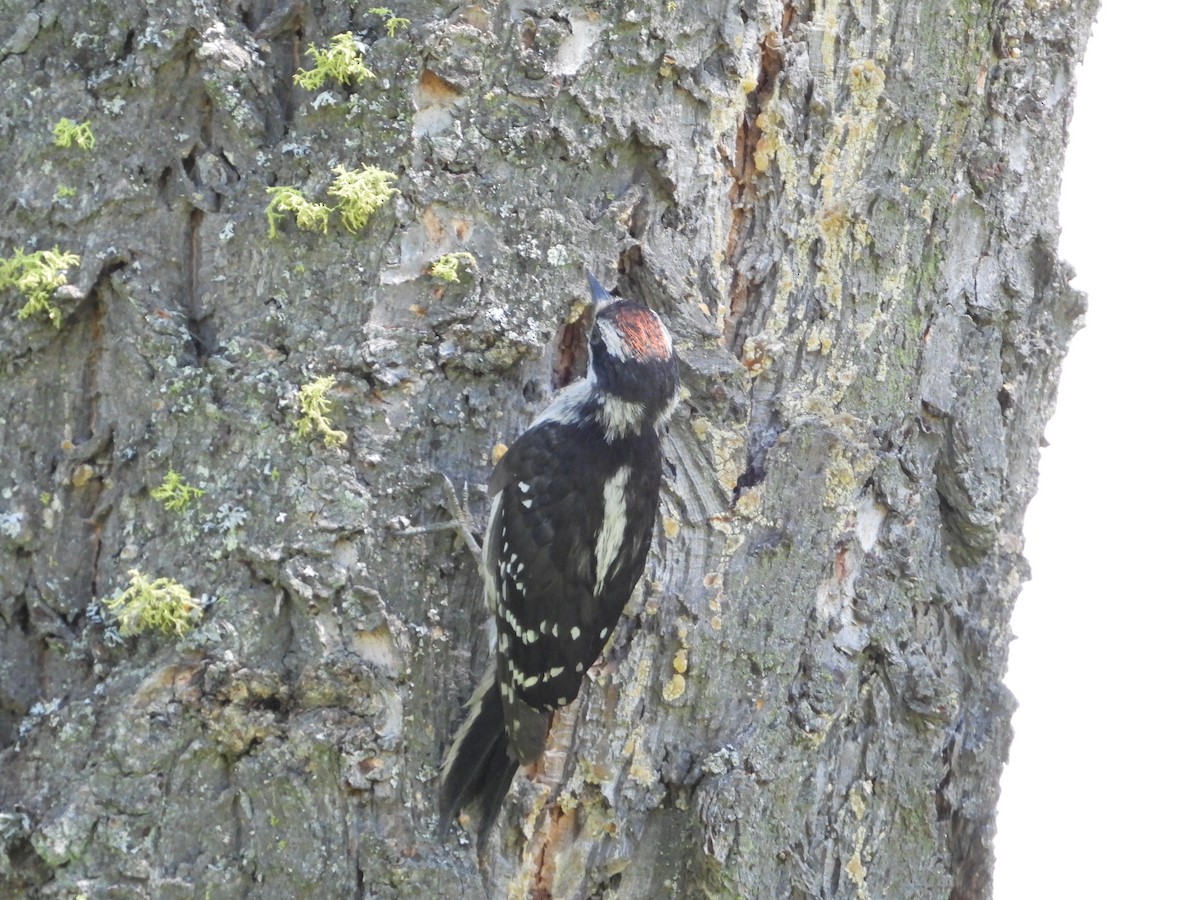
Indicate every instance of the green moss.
{"type": "Point", "coordinates": [446, 267]}
{"type": "Point", "coordinates": [64, 192]}
{"type": "Point", "coordinates": [309, 216]}
{"type": "Point", "coordinates": [391, 21]}
{"type": "Point", "coordinates": [360, 192]}
{"type": "Point", "coordinates": [69, 133]}
{"type": "Point", "coordinates": [314, 405]}
{"type": "Point", "coordinates": [341, 62]}
{"type": "Point", "coordinates": [174, 494]}
{"type": "Point", "coordinates": [163, 605]}
{"type": "Point", "coordinates": [37, 276]}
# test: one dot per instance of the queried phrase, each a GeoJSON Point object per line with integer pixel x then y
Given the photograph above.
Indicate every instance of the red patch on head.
{"type": "Point", "coordinates": [643, 332]}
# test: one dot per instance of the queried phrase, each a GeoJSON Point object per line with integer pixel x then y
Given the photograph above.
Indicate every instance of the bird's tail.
{"type": "Point", "coordinates": [479, 766]}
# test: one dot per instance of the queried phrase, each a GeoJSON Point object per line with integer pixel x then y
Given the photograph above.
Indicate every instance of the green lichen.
{"type": "Point", "coordinates": [162, 604]}
{"type": "Point", "coordinates": [314, 405]}
{"type": "Point", "coordinates": [69, 133]}
{"type": "Point", "coordinates": [341, 62]}
{"type": "Point", "coordinates": [391, 21]}
{"type": "Point", "coordinates": [37, 276]}
{"type": "Point", "coordinates": [309, 216]}
{"type": "Point", "coordinates": [446, 268]}
{"type": "Point", "coordinates": [360, 192]}
{"type": "Point", "coordinates": [174, 494]}
{"type": "Point", "coordinates": [64, 192]}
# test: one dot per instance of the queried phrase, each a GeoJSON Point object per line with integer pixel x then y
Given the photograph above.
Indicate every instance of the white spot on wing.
{"type": "Point", "coordinates": [524, 486]}
{"type": "Point", "coordinates": [575, 633]}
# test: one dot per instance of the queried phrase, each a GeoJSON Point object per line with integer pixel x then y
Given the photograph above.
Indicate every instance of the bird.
{"type": "Point", "coordinates": [573, 506]}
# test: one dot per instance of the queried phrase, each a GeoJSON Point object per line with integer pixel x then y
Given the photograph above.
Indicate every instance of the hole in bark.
{"type": "Point", "coordinates": [271, 704]}
{"type": "Point", "coordinates": [21, 614]}
{"type": "Point", "coordinates": [1005, 399]}
{"type": "Point", "coordinates": [189, 164]}
{"type": "Point", "coordinates": [630, 259]}
{"type": "Point", "coordinates": [164, 185]}
{"type": "Point", "coordinates": [201, 333]}
{"type": "Point", "coordinates": [756, 457]}
{"type": "Point", "coordinates": [570, 352]}
{"type": "Point", "coordinates": [604, 887]}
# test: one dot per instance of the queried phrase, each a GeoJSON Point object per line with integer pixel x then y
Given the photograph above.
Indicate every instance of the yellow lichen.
{"type": "Point", "coordinates": [729, 450]}
{"type": "Point", "coordinates": [68, 133]}
{"type": "Point", "coordinates": [674, 688]}
{"type": "Point", "coordinates": [162, 605]}
{"type": "Point", "coordinates": [37, 276]}
{"type": "Point", "coordinates": [839, 173]}
{"type": "Point", "coordinates": [749, 503]}
{"type": "Point", "coordinates": [173, 493]}
{"type": "Point", "coordinates": [310, 216]}
{"type": "Point", "coordinates": [314, 404]}
{"type": "Point", "coordinates": [445, 268]}
{"type": "Point", "coordinates": [391, 22]}
{"type": "Point", "coordinates": [360, 192]}
{"type": "Point", "coordinates": [342, 62]}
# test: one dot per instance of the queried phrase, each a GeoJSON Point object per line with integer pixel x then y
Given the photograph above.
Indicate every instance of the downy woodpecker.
{"type": "Point", "coordinates": [573, 507]}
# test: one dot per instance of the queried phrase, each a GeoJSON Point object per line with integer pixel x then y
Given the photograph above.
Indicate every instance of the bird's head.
{"type": "Point", "coordinates": [632, 355]}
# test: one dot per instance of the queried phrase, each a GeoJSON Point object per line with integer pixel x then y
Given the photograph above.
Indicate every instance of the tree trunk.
{"type": "Point", "coordinates": [845, 212]}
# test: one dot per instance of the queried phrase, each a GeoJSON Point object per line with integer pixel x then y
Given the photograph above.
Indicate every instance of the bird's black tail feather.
{"type": "Point", "coordinates": [479, 766]}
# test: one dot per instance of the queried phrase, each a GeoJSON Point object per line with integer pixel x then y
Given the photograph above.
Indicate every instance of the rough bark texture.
{"type": "Point", "coordinates": [847, 214]}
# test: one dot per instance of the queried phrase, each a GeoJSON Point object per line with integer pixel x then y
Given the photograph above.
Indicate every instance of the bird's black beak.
{"type": "Point", "coordinates": [600, 297]}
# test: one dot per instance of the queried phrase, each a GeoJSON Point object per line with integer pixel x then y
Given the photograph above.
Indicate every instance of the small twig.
{"type": "Point", "coordinates": [460, 522]}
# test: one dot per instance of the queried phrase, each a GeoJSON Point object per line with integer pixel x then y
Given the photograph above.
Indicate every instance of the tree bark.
{"type": "Point", "coordinates": [845, 212]}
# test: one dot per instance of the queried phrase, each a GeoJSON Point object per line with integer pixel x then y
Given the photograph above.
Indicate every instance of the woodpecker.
{"type": "Point", "coordinates": [573, 507]}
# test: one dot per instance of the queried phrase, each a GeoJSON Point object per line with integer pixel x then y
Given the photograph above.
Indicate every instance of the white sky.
{"type": "Point", "coordinates": [1101, 796]}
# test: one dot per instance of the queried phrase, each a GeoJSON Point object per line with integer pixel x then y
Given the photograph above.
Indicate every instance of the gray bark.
{"type": "Point", "coordinates": [846, 212]}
